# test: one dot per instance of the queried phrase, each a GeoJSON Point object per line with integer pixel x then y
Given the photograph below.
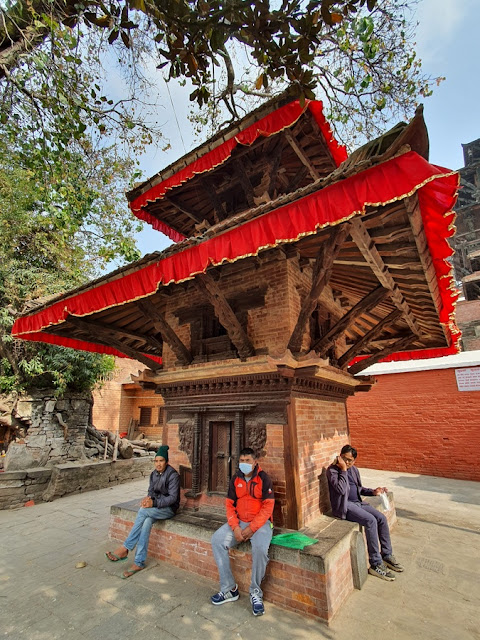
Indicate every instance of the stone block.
{"type": "Point", "coordinates": [13, 475]}
{"type": "Point", "coordinates": [19, 457]}
{"type": "Point", "coordinates": [50, 406]}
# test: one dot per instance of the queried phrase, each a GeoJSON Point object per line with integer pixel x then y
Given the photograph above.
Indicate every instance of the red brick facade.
{"type": "Point", "coordinates": [298, 589]}
{"type": "Point", "coordinates": [417, 422]}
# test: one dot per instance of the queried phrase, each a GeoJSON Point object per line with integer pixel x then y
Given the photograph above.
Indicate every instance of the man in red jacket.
{"type": "Point", "coordinates": [249, 507]}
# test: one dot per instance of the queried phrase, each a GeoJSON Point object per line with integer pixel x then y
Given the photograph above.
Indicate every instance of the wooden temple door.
{"type": "Point", "coordinates": [221, 444]}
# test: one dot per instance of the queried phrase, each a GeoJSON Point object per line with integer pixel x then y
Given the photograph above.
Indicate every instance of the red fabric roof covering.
{"type": "Point", "coordinates": [385, 183]}
{"type": "Point", "coordinates": [271, 124]}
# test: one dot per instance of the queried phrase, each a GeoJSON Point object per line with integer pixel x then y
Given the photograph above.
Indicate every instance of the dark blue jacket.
{"type": "Point", "coordinates": [164, 488]}
{"type": "Point", "coordinates": [339, 489]}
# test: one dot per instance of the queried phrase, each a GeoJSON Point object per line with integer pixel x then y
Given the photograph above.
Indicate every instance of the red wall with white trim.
{"type": "Point", "coordinates": [417, 422]}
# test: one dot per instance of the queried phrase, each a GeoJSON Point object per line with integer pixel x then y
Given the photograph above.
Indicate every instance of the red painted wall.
{"type": "Point", "coordinates": [417, 422]}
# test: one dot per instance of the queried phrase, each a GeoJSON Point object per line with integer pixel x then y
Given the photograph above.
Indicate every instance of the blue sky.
{"type": "Point", "coordinates": [448, 43]}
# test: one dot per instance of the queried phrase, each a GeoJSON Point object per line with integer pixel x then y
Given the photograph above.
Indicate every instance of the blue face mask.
{"type": "Point", "coordinates": [245, 468]}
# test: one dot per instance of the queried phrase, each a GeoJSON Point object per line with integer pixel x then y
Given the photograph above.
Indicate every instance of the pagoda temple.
{"type": "Point", "coordinates": [294, 267]}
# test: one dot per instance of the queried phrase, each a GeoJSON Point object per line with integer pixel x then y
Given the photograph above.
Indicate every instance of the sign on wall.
{"type": "Point", "coordinates": [468, 379]}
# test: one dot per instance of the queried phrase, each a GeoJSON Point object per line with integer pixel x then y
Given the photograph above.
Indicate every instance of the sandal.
{"type": "Point", "coordinates": [131, 571]}
{"type": "Point", "coordinates": [114, 558]}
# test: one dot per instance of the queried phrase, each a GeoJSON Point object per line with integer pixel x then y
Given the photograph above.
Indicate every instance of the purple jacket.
{"type": "Point", "coordinates": [339, 489]}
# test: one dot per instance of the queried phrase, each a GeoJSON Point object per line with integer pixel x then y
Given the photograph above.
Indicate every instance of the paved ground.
{"type": "Point", "coordinates": [44, 597]}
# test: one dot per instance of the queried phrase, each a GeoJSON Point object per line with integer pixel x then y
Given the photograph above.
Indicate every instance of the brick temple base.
{"type": "Point", "coordinates": [314, 582]}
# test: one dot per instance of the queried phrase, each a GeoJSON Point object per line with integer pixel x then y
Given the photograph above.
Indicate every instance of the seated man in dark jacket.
{"type": "Point", "coordinates": [346, 489]}
{"type": "Point", "coordinates": [161, 503]}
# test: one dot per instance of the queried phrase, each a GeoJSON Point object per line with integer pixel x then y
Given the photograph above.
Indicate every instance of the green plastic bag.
{"type": "Point", "coordinates": [293, 540]}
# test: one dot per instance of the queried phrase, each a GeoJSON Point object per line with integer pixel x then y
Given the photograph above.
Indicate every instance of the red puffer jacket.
{"type": "Point", "coordinates": [250, 501]}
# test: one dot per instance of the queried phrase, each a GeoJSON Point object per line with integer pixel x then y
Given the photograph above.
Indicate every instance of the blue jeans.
{"type": "Point", "coordinates": [140, 532]}
{"type": "Point", "coordinates": [223, 540]}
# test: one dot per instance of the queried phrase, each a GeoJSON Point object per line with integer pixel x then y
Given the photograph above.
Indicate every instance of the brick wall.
{"type": "Point", "coordinates": [321, 432]}
{"type": "Point", "coordinates": [417, 422]}
{"type": "Point", "coordinates": [274, 465]}
{"type": "Point", "coordinates": [317, 594]}
{"type": "Point", "coordinates": [147, 398]}
{"type": "Point", "coordinates": [111, 409]}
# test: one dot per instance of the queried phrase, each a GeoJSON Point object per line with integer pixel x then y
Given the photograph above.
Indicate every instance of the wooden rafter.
{"type": "Point", "coordinates": [106, 338]}
{"type": "Point", "coordinates": [322, 270]}
{"type": "Point", "coordinates": [224, 312]}
{"type": "Point", "coordinates": [301, 154]}
{"type": "Point", "coordinates": [183, 209]}
{"type": "Point", "coordinates": [210, 189]}
{"type": "Point", "coordinates": [244, 180]}
{"type": "Point", "coordinates": [297, 179]}
{"type": "Point", "coordinates": [398, 345]}
{"type": "Point", "coordinates": [128, 333]}
{"type": "Point", "coordinates": [369, 337]}
{"type": "Point", "coordinates": [416, 223]}
{"type": "Point", "coordinates": [369, 251]}
{"type": "Point", "coordinates": [169, 336]}
{"type": "Point", "coordinates": [366, 304]}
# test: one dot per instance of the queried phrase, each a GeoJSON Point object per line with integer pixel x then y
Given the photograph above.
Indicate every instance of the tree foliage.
{"type": "Point", "coordinates": [357, 55]}
{"type": "Point", "coordinates": [62, 215]}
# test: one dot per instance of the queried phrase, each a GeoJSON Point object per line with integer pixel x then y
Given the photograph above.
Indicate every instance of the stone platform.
{"type": "Point", "coordinates": [314, 582]}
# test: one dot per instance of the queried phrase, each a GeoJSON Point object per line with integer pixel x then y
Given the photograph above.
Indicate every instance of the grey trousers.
{"type": "Point", "coordinates": [223, 540]}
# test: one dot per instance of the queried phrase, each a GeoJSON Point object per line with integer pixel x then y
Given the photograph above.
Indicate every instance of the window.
{"type": "Point", "coordinates": [145, 417]}
{"type": "Point", "coordinates": [161, 415]}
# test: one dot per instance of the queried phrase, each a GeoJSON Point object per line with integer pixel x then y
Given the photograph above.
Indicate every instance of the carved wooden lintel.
{"type": "Point", "coordinates": [398, 345]}
{"type": "Point", "coordinates": [366, 304]}
{"type": "Point", "coordinates": [322, 271]}
{"type": "Point", "coordinates": [168, 334]}
{"type": "Point", "coordinates": [369, 337]}
{"type": "Point", "coordinates": [210, 289]}
{"type": "Point", "coordinates": [106, 338]}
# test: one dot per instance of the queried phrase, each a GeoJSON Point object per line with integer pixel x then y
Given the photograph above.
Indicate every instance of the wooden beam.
{"type": "Point", "coordinates": [369, 251]}
{"type": "Point", "coordinates": [369, 337]}
{"type": "Point", "coordinates": [106, 339]}
{"type": "Point", "coordinates": [416, 222]}
{"type": "Point", "coordinates": [183, 209]}
{"type": "Point", "coordinates": [273, 166]}
{"type": "Point", "coordinates": [224, 312]}
{"type": "Point", "coordinates": [301, 154]}
{"type": "Point", "coordinates": [219, 211]}
{"type": "Point", "coordinates": [245, 182]}
{"type": "Point", "coordinates": [132, 335]}
{"type": "Point", "coordinates": [366, 304]}
{"type": "Point", "coordinates": [322, 271]}
{"type": "Point", "coordinates": [169, 336]}
{"type": "Point", "coordinates": [398, 345]}
{"type": "Point", "coordinates": [297, 179]}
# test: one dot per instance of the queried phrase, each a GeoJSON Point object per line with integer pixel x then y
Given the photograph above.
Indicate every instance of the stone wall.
{"type": "Point", "coordinates": [56, 434]}
{"type": "Point", "coordinates": [46, 484]}
{"type": "Point", "coordinates": [19, 487]}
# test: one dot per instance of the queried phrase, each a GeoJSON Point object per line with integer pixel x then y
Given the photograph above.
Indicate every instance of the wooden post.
{"type": "Point", "coordinates": [106, 448]}
{"type": "Point", "coordinates": [115, 449]}
{"type": "Point", "coordinates": [322, 270]}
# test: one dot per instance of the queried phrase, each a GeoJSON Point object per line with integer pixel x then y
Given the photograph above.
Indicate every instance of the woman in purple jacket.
{"type": "Point", "coordinates": [345, 487]}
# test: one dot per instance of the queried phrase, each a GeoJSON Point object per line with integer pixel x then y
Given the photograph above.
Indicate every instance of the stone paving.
{"type": "Point", "coordinates": [44, 597]}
